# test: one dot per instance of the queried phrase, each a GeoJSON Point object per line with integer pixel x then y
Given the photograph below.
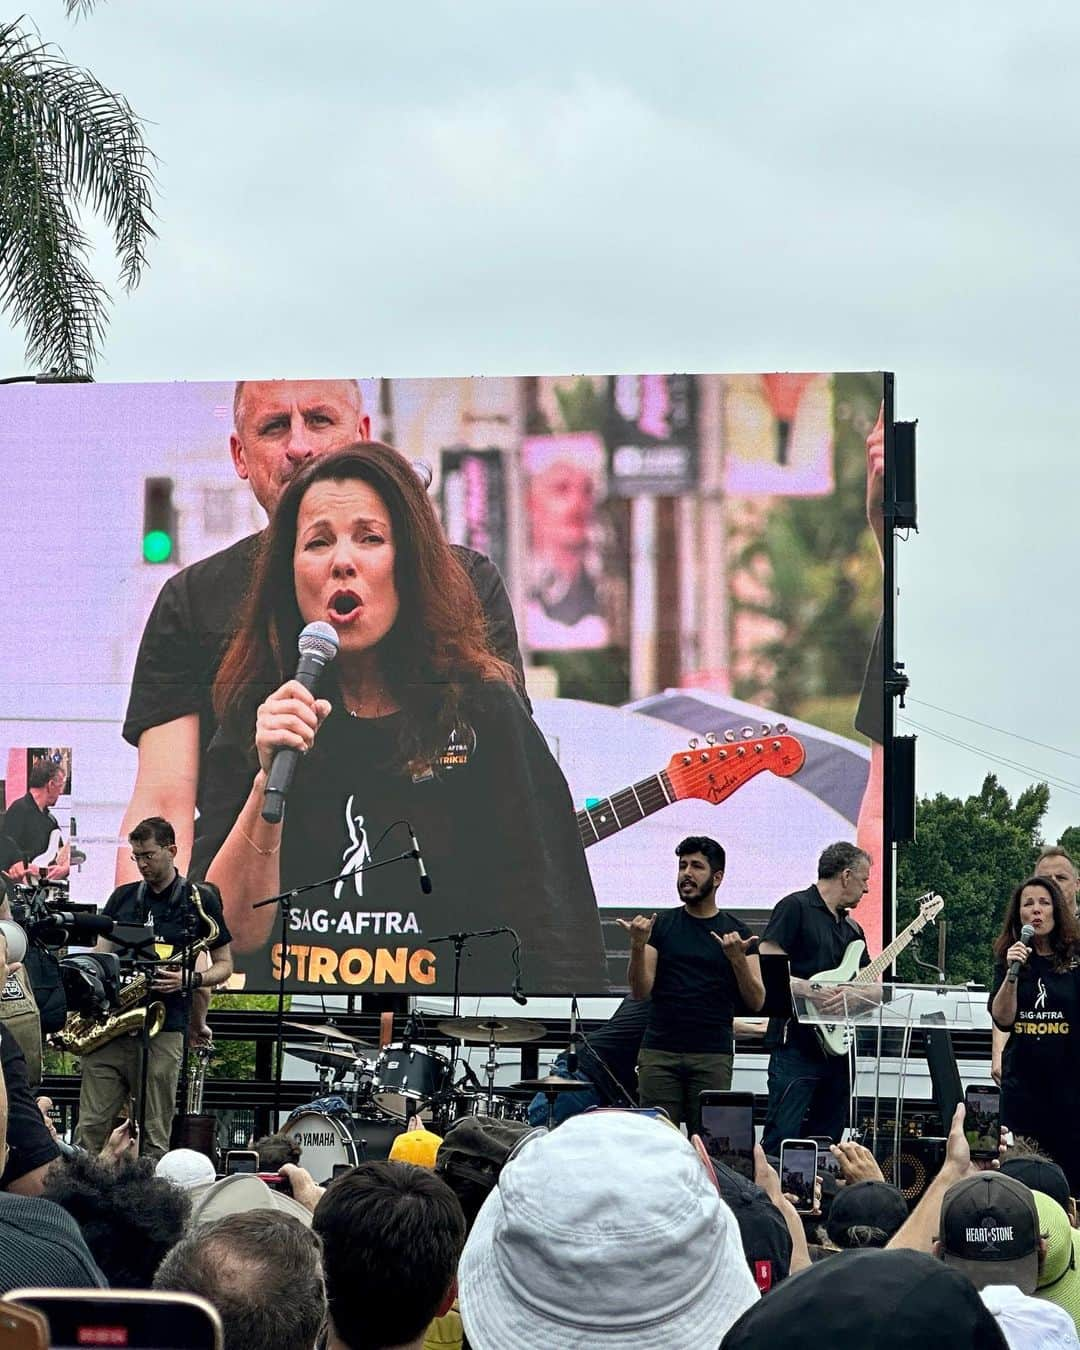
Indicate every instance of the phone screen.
{"type": "Point", "coordinates": [339, 1170]}
{"type": "Point", "coordinates": [798, 1172]}
{"type": "Point", "coordinates": [727, 1129]}
{"type": "Point", "coordinates": [828, 1165]}
{"type": "Point", "coordinates": [78, 1319]}
{"type": "Point", "coordinates": [982, 1120]}
{"type": "Point", "coordinates": [241, 1160]}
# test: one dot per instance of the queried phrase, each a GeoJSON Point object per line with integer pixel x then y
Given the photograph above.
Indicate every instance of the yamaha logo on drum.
{"type": "Point", "coordinates": [315, 1140]}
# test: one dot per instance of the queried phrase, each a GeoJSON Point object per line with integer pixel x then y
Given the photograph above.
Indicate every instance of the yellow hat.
{"type": "Point", "coordinates": [1059, 1279]}
{"type": "Point", "coordinates": [419, 1147]}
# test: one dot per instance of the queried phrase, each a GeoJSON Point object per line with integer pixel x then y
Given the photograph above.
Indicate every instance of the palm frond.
{"type": "Point", "coordinates": [65, 141]}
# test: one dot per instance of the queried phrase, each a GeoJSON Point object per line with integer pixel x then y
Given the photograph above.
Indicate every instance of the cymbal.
{"type": "Point", "coordinates": [551, 1083]}
{"type": "Point", "coordinates": [324, 1057]}
{"type": "Point", "coordinates": [502, 1030]}
{"type": "Point", "coordinates": [331, 1032]}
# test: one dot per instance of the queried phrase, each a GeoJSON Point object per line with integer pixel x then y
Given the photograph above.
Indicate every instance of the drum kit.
{"type": "Point", "coordinates": [368, 1096]}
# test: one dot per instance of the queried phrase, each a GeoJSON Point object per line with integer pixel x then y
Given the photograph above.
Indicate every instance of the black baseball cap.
{"type": "Point", "coordinates": [890, 1300]}
{"type": "Point", "coordinates": [865, 1204]}
{"type": "Point", "coordinates": [1040, 1174]}
{"type": "Point", "coordinates": [990, 1231]}
{"type": "Point", "coordinates": [766, 1241]}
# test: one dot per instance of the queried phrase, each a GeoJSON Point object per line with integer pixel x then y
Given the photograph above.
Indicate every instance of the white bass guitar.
{"type": "Point", "coordinates": [835, 1037]}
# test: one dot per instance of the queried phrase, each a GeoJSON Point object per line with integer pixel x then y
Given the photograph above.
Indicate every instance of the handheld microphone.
{"type": "Point", "coordinates": [571, 1054]}
{"type": "Point", "coordinates": [1027, 937]}
{"type": "Point", "coordinates": [318, 645]}
{"type": "Point", "coordinates": [425, 880]}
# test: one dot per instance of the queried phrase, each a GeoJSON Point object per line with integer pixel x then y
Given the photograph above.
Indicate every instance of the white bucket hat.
{"type": "Point", "coordinates": [608, 1232]}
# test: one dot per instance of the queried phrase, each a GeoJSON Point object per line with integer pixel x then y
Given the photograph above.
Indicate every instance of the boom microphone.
{"type": "Point", "coordinates": [318, 645]}
{"type": "Point", "coordinates": [425, 880]}
{"type": "Point", "coordinates": [572, 1052]}
{"type": "Point", "coordinates": [1027, 937]}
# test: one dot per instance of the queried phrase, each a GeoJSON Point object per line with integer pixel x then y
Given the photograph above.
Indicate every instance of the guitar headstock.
{"type": "Point", "coordinates": [713, 771]}
{"type": "Point", "coordinates": [930, 906]}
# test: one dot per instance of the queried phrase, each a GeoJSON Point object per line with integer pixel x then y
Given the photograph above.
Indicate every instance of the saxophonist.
{"type": "Point", "coordinates": [181, 914]}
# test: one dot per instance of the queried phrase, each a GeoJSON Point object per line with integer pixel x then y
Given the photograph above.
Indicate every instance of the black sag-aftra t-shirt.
{"type": "Point", "coordinates": [695, 995]}
{"type": "Point", "coordinates": [494, 820]}
{"type": "Point", "coordinates": [1042, 1056]}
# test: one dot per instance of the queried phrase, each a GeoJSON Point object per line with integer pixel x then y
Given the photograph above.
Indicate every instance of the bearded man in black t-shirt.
{"type": "Point", "coordinates": [695, 964]}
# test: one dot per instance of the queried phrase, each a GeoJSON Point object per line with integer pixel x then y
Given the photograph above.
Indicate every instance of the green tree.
{"type": "Point", "coordinates": [973, 853]}
{"type": "Point", "coordinates": [67, 144]}
{"type": "Point", "coordinates": [824, 574]}
{"type": "Point", "coordinates": [1070, 842]}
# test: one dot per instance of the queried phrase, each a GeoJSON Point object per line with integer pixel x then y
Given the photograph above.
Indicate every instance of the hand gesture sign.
{"type": "Point", "coordinates": [735, 947]}
{"type": "Point", "coordinates": [639, 928]}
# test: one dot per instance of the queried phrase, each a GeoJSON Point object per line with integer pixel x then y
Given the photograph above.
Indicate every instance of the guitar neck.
{"type": "Point", "coordinates": [882, 962]}
{"type": "Point", "coordinates": [623, 808]}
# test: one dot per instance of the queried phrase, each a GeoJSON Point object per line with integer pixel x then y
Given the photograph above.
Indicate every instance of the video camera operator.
{"type": "Point", "coordinates": [31, 1148]}
{"type": "Point", "coordinates": [34, 1004]}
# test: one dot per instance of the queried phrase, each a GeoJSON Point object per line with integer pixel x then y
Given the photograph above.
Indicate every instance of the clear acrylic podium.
{"type": "Point", "coordinates": [873, 1026]}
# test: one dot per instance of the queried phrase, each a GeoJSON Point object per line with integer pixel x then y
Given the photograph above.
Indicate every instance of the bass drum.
{"type": "Point", "coordinates": [329, 1139]}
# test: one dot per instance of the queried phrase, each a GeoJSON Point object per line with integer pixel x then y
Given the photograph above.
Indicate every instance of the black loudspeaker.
{"type": "Point", "coordinates": [944, 1074]}
{"type": "Point", "coordinates": [905, 514]}
{"type": "Point", "coordinates": [920, 1159]}
{"type": "Point", "coordinates": [903, 788]}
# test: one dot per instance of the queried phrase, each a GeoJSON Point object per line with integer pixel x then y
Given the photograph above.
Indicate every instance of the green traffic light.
{"type": "Point", "coordinates": [157, 546]}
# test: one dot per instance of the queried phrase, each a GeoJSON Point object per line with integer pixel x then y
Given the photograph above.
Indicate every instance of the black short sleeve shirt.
{"type": "Point", "coordinates": [176, 925]}
{"type": "Point", "coordinates": [1042, 1057]}
{"type": "Point", "coordinates": [29, 827]}
{"type": "Point", "coordinates": [30, 1145]}
{"type": "Point", "coordinates": [815, 941]}
{"type": "Point", "coordinates": [695, 995]}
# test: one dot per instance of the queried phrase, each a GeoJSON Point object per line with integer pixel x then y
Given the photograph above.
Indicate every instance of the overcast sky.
{"type": "Point", "coordinates": [482, 188]}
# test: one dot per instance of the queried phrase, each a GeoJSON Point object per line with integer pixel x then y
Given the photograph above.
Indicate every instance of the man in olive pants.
{"type": "Point", "coordinates": [693, 961]}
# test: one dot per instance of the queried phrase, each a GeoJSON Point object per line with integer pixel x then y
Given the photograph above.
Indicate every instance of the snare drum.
{"type": "Point", "coordinates": [405, 1074]}
{"type": "Point", "coordinates": [478, 1104]}
{"type": "Point", "coordinates": [328, 1138]}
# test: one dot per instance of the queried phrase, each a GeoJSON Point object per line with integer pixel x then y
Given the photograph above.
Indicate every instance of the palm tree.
{"type": "Point", "coordinates": [66, 143]}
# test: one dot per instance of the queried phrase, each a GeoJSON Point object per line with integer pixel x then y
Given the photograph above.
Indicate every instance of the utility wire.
{"type": "Point", "coordinates": [990, 727]}
{"type": "Point", "coordinates": [1051, 779]}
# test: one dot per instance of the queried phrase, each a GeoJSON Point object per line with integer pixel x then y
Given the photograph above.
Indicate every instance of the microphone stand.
{"type": "Point", "coordinates": [283, 901]}
{"type": "Point", "coordinates": [459, 940]}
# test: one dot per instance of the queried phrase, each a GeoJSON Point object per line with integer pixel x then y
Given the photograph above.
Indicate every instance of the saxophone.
{"type": "Point", "coordinates": [82, 1034]}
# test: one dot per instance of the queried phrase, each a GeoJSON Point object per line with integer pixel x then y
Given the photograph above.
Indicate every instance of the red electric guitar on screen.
{"type": "Point", "coordinates": [711, 772]}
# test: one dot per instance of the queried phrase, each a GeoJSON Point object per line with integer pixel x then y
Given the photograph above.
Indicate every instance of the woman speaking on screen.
{"type": "Point", "coordinates": [414, 721]}
{"type": "Point", "coordinates": [1040, 1006]}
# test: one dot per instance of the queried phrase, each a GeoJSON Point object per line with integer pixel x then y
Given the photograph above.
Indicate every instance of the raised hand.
{"type": "Point", "coordinates": [639, 928]}
{"type": "Point", "coordinates": [735, 947]}
{"type": "Point", "coordinates": [857, 1163]}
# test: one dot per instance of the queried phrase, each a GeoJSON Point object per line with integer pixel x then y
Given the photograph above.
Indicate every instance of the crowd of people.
{"type": "Point", "coordinates": [615, 1229]}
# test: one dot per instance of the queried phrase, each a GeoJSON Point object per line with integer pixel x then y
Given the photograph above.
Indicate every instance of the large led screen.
{"type": "Point", "coordinates": [579, 618]}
